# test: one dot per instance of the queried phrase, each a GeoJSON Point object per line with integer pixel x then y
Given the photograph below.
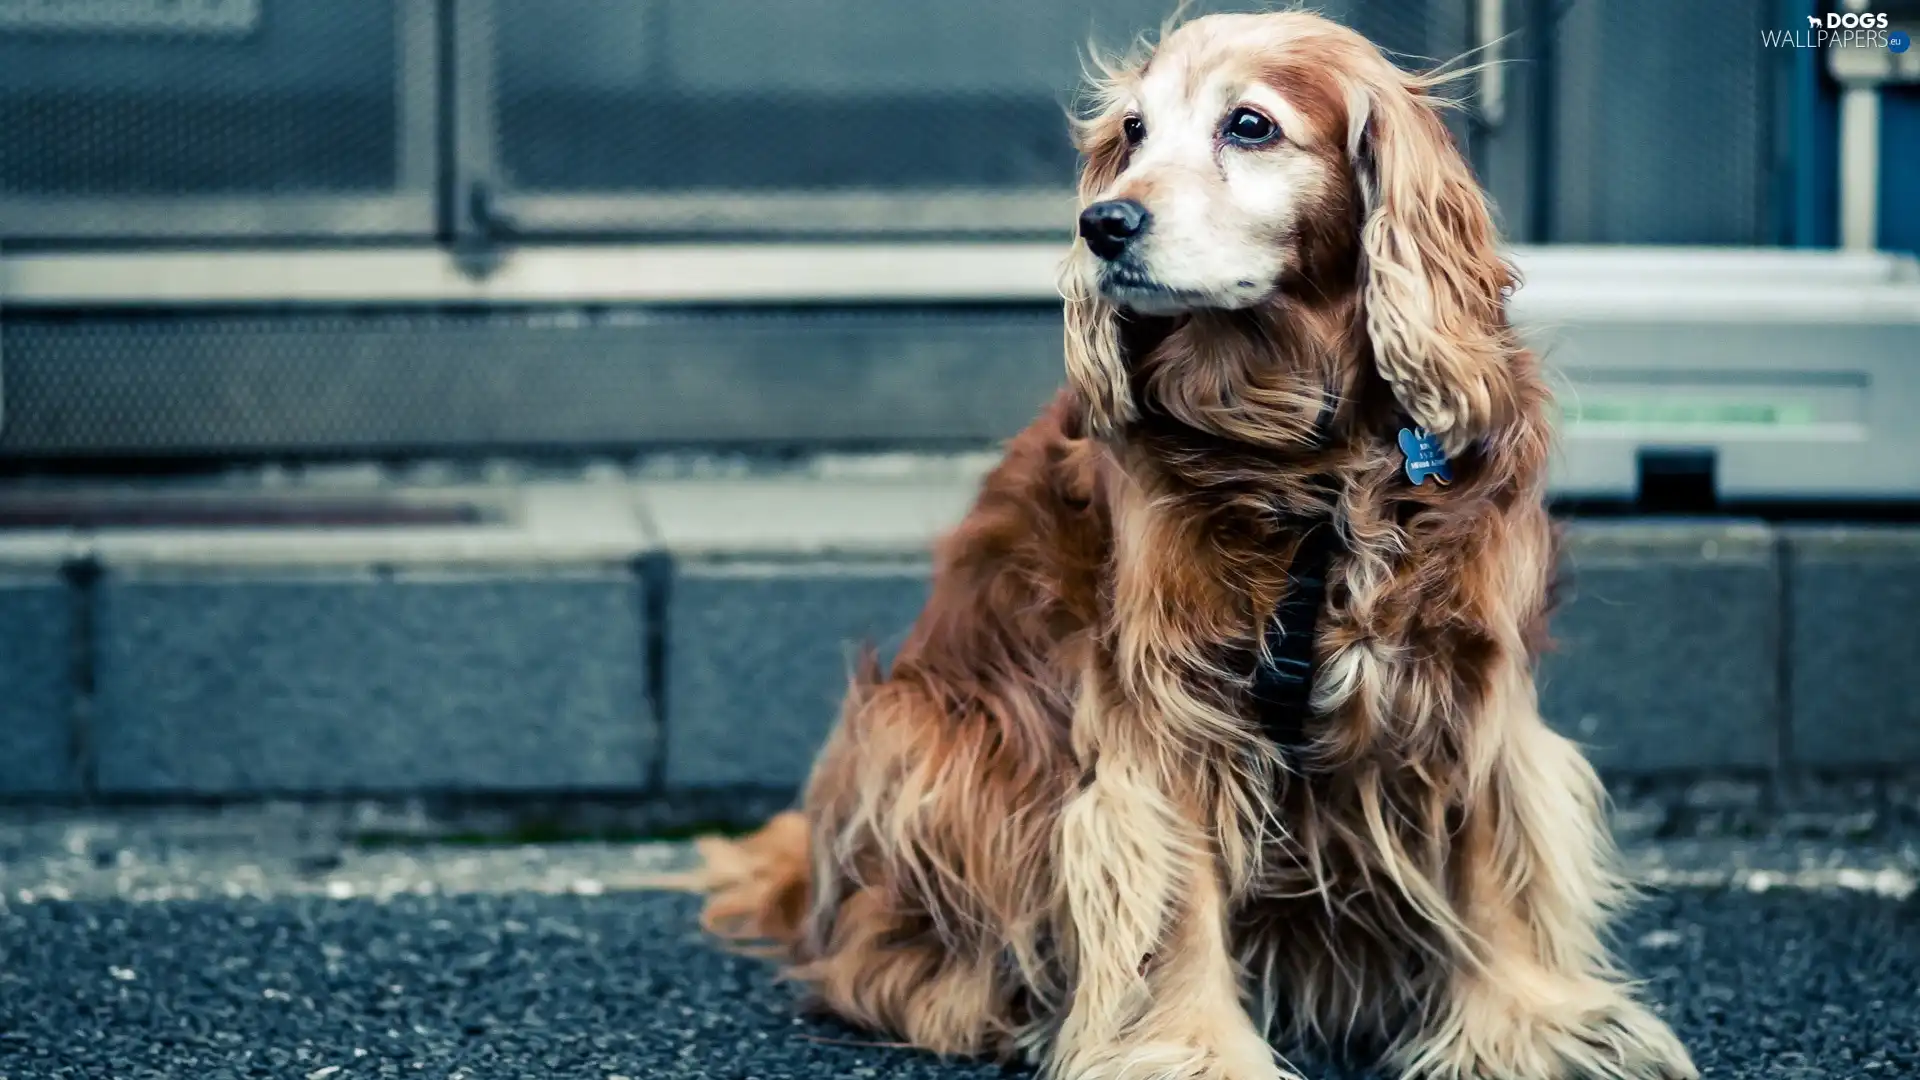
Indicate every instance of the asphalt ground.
{"type": "Point", "coordinates": [1795, 960]}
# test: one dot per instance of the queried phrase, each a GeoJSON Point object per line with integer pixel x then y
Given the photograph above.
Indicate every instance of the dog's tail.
{"type": "Point", "coordinates": [758, 888]}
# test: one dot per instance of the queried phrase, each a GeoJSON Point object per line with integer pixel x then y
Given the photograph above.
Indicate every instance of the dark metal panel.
{"type": "Point", "coordinates": [804, 116]}
{"type": "Point", "coordinates": [1659, 137]}
{"type": "Point", "coordinates": [1506, 146]}
{"type": "Point", "coordinates": [1419, 34]}
{"type": "Point", "coordinates": [315, 120]}
{"type": "Point", "coordinates": [372, 383]}
{"type": "Point", "coordinates": [794, 116]}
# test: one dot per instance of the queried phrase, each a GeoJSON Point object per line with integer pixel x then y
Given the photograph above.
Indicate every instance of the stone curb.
{"type": "Point", "coordinates": [682, 636]}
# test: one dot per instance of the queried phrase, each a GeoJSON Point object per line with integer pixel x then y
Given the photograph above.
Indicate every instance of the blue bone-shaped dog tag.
{"type": "Point", "coordinates": [1424, 457]}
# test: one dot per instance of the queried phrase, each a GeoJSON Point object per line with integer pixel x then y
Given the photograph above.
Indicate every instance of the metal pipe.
{"type": "Point", "coordinates": [1860, 167]}
{"type": "Point", "coordinates": [1491, 22]}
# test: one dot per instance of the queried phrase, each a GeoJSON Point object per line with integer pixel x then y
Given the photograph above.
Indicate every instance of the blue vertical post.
{"type": "Point", "coordinates": [1813, 138]}
{"type": "Point", "coordinates": [1900, 167]}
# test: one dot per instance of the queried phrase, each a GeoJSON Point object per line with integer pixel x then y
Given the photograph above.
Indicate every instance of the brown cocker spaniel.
{"type": "Point", "coordinates": [1219, 730]}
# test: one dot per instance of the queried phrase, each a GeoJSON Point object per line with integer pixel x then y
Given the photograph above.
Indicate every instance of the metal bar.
{"type": "Point", "coordinates": [198, 217]}
{"type": "Point", "coordinates": [476, 137]}
{"type": "Point", "coordinates": [885, 212]}
{"type": "Point", "coordinates": [654, 274]}
{"type": "Point", "coordinates": [1749, 284]}
{"type": "Point", "coordinates": [1860, 168]}
{"type": "Point", "coordinates": [1490, 23]}
{"type": "Point", "coordinates": [1861, 71]}
{"type": "Point", "coordinates": [220, 18]}
{"type": "Point", "coordinates": [786, 273]}
{"type": "Point", "coordinates": [417, 90]}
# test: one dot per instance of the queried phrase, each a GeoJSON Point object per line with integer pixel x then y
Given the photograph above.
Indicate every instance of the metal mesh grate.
{"type": "Point", "coordinates": [1418, 33]}
{"type": "Point", "coordinates": [197, 384]}
{"type": "Point", "coordinates": [1659, 138]}
{"type": "Point", "coordinates": [759, 95]}
{"type": "Point", "coordinates": [303, 100]}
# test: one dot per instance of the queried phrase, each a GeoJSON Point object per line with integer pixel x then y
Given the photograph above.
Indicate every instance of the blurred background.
{"type": "Point", "coordinates": [485, 397]}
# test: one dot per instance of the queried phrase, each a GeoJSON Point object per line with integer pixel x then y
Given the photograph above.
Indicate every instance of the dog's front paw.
{"type": "Point", "coordinates": [1623, 1041]}
{"type": "Point", "coordinates": [1168, 1061]}
{"type": "Point", "coordinates": [1627, 1042]}
{"type": "Point", "coordinates": [1243, 1056]}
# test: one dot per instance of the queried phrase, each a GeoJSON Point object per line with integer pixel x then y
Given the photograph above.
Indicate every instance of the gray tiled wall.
{"type": "Point", "coordinates": [1854, 613]}
{"type": "Point", "coordinates": [758, 658]}
{"type": "Point", "coordinates": [1667, 647]}
{"type": "Point", "coordinates": [38, 731]}
{"type": "Point", "coordinates": [278, 681]}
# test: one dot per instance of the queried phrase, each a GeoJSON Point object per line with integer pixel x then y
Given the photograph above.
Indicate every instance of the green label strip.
{"type": "Point", "coordinates": [1744, 414]}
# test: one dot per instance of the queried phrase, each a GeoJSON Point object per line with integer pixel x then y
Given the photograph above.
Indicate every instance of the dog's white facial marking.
{"type": "Point", "coordinates": [1222, 208]}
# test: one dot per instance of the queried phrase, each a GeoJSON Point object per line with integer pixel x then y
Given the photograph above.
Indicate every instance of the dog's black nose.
{"type": "Point", "coordinates": [1107, 226]}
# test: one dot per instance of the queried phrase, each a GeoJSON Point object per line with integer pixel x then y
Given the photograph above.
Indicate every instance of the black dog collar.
{"type": "Point", "coordinates": [1282, 690]}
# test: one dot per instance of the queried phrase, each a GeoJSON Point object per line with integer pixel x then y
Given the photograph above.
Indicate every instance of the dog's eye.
{"type": "Point", "coordinates": [1134, 129]}
{"type": "Point", "coordinates": [1249, 127]}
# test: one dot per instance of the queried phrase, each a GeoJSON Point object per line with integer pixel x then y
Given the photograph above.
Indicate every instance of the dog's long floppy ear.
{"type": "Point", "coordinates": [1433, 280]}
{"type": "Point", "coordinates": [1096, 353]}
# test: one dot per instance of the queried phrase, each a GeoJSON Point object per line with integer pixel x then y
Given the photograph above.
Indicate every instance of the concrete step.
{"type": "Point", "coordinates": [681, 635]}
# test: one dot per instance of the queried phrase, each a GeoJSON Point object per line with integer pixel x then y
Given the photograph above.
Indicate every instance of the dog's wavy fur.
{"type": "Point", "coordinates": [1054, 830]}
